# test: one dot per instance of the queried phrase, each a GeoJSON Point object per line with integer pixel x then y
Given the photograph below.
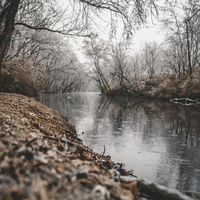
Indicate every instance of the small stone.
{"type": "Point", "coordinates": [26, 152]}
{"type": "Point", "coordinates": [125, 197]}
{"type": "Point", "coordinates": [113, 173]}
{"type": "Point", "coordinates": [36, 124]}
{"type": "Point", "coordinates": [82, 175]}
{"type": "Point", "coordinates": [127, 179]}
{"type": "Point", "coordinates": [100, 192]}
{"type": "Point", "coordinates": [42, 158]}
{"type": "Point", "coordinates": [51, 154]}
{"type": "Point", "coordinates": [32, 114]}
{"type": "Point", "coordinates": [93, 170]}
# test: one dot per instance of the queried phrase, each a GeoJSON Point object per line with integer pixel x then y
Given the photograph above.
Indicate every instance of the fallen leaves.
{"type": "Point", "coordinates": [41, 157]}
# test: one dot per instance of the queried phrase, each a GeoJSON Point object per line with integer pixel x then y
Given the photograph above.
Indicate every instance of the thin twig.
{"type": "Point", "coordinates": [104, 150]}
{"type": "Point", "coordinates": [61, 139]}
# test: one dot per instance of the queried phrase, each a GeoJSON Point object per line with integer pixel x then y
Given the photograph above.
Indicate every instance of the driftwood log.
{"type": "Point", "coordinates": [154, 191]}
{"type": "Point", "coordinates": [185, 101]}
{"type": "Point", "coordinates": [158, 192]}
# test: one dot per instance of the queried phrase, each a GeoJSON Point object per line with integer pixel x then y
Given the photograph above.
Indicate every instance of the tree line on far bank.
{"type": "Point", "coordinates": [36, 53]}
{"type": "Point", "coordinates": [167, 70]}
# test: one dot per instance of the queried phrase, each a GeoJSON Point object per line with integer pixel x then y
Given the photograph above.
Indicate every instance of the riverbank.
{"type": "Point", "coordinates": [161, 87]}
{"type": "Point", "coordinates": [42, 158]}
{"type": "Point", "coordinates": [170, 86]}
{"type": "Point", "coordinates": [15, 78]}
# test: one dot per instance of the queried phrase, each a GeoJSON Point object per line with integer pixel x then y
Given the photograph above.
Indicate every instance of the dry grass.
{"type": "Point", "coordinates": [19, 77]}
{"type": "Point", "coordinates": [164, 87]}
{"type": "Point", "coordinates": [170, 87]}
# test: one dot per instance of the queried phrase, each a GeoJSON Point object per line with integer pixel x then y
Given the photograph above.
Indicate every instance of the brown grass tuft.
{"type": "Point", "coordinates": [170, 87]}
{"type": "Point", "coordinates": [19, 77]}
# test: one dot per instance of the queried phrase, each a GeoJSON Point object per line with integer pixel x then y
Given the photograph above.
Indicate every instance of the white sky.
{"type": "Point", "coordinates": [150, 34]}
{"type": "Point", "coordinates": [153, 33]}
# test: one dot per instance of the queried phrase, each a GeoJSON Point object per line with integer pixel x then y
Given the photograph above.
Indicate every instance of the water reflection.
{"type": "Point", "coordinates": [159, 140]}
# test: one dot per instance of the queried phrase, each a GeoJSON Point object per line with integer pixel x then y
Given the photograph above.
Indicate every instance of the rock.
{"type": "Point", "coordinates": [36, 124]}
{"type": "Point", "coordinates": [127, 179]}
{"type": "Point", "coordinates": [100, 193]}
{"type": "Point", "coordinates": [25, 152]}
{"type": "Point", "coordinates": [82, 175]}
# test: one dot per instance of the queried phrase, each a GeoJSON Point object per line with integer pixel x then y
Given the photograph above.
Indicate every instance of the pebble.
{"type": "Point", "coordinates": [82, 175]}
{"type": "Point", "coordinates": [101, 193]}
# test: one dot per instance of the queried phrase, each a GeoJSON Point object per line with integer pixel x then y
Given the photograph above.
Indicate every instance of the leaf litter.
{"type": "Point", "coordinates": [42, 158]}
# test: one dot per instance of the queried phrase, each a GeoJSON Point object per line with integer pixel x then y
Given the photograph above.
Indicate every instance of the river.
{"type": "Point", "coordinates": [158, 140]}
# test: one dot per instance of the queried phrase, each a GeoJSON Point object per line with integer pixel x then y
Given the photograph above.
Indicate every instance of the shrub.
{"type": "Point", "coordinates": [20, 77]}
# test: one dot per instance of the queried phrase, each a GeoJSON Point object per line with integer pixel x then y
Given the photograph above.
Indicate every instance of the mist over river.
{"type": "Point", "coordinates": [157, 139]}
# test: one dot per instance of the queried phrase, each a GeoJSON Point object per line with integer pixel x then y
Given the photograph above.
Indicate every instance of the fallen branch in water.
{"type": "Point", "coordinates": [185, 101]}
{"type": "Point", "coordinates": [154, 191]}
{"type": "Point", "coordinates": [158, 192]}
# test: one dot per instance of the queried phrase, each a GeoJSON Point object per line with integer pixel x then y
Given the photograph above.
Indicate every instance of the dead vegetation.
{"type": "Point", "coordinates": [169, 86]}
{"type": "Point", "coordinates": [162, 87]}
{"type": "Point", "coordinates": [19, 77]}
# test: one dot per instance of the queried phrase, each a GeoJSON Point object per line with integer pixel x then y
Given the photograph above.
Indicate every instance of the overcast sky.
{"type": "Point", "coordinates": [152, 33]}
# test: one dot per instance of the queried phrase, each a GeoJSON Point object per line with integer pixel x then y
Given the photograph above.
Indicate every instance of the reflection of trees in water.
{"type": "Point", "coordinates": [172, 113]}
{"type": "Point", "coordinates": [181, 125]}
{"type": "Point", "coordinates": [181, 158]}
{"type": "Point", "coordinates": [117, 110]}
{"type": "Point", "coordinates": [189, 159]}
{"type": "Point", "coordinates": [176, 125]}
{"type": "Point", "coordinates": [69, 104]}
{"type": "Point", "coordinates": [103, 106]}
{"type": "Point", "coordinates": [117, 120]}
{"type": "Point", "coordinates": [183, 139]}
{"type": "Point", "coordinates": [55, 101]}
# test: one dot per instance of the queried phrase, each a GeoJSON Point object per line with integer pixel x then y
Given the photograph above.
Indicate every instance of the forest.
{"type": "Point", "coordinates": [37, 53]}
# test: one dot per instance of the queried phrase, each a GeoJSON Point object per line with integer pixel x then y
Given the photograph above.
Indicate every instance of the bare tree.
{"type": "Point", "coordinates": [113, 68]}
{"type": "Point", "coordinates": [8, 11]}
{"type": "Point", "coordinates": [182, 30]}
{"type": "Point", "coordinates": [64, 73]}
{"type": "Point", "coordinates": [80, 15]}
{"type": "Point", "coordinates": [97, 51]}
{"type": "Point", "coordinates": [192, 25]}
{"type": "Point", "coordinates": [151, 55]}
{"type": "Point", "coordinates": [124, 71]}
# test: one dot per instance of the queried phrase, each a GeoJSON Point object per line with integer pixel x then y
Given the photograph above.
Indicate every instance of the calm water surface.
{"type": "Point", "coordinates": [159, 140]}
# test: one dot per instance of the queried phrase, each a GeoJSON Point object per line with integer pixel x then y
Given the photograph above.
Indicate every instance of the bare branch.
{"type": "Point", "coordinates": [50, 30]}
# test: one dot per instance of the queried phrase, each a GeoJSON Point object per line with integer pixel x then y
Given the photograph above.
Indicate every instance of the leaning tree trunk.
{"type": "Point", "coordinates": [7, 20]}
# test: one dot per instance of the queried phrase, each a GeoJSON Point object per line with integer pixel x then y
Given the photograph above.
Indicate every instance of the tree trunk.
{"type": "Point", "coordinates": [7, 21]}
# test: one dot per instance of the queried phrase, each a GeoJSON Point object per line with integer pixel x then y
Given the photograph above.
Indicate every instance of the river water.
{"type": "Point", "coordinates": [157, 139]}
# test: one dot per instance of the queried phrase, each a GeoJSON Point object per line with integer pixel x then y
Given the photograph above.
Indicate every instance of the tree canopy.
{"type": "Point", "coordinates": [75, 18]}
